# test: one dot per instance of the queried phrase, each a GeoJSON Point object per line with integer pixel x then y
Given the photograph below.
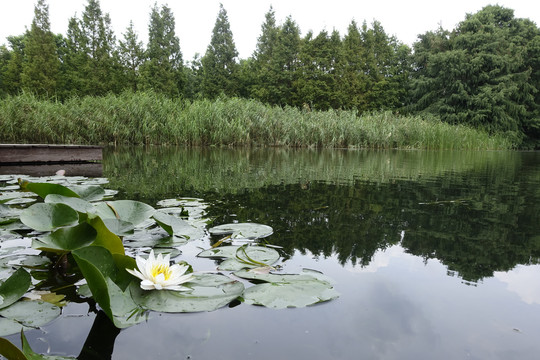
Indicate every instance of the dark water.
{"type": "Point", "coordinates": [435, 254]}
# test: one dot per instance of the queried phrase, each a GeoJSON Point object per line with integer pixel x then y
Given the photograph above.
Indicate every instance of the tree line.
{"type": "Point", "coordinates": [485, 73]}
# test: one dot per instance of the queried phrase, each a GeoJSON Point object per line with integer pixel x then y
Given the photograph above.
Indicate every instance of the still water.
{"type": "Point", "coordinates": [436, 255]}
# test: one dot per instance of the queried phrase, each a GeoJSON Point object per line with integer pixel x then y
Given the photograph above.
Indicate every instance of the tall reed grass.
{"type": "Point", "coordinates": [150, 118]}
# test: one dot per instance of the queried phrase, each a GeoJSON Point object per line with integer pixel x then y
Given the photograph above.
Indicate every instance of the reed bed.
{"type": "Point", "coordinates": [150, 118]}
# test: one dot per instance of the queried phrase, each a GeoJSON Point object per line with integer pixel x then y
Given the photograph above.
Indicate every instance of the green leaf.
{"type": "Point", "coordinates": [239, 257]}
{"type": "Point", "coordinates": [178, 227]}
{"type": "Point", "coordinates": [249, 231]}
{"type": "Point", "coordinates": [47, 217]}
{"type": "Point", "coordinates": [14, 287]}
{"type": "Point", "coordinates": [66, 239]}
{"type": "Point", "coordinates": [80, 205]}
{"type": "Point", "coordinates": [288, 290]}
{"type": "Point", "coordinates": [89, 192]}
{"type": "Point", "coordinates": [131, 211]}
{"type": "Point", "coordinates": [119, 227]}
{"type": "Point", "coordinates": [209, 292]}
{"type": "Point", "coordinates": [98, 267]}
{"type": "Point", "coordinates": [105, 237]}
{"type": "Point", "coordinates": [44, 189]}
{"type": "Point", "coordinates": [10, 351]}
{"type": "Point", "coordinates": [26, 314]}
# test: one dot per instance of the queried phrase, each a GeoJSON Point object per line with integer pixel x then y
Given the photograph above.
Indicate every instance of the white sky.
{"type": "Point", "coordinates": [195, 18]}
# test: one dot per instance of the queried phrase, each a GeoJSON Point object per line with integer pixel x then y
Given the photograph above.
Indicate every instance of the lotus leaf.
{"type": "Point", "coordinates": [249, 231]}
{"type": "Point", "coordinates": [47, 217]}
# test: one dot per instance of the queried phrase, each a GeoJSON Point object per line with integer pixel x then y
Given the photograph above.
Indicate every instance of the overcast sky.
{"type": "Point", "coordinates": [195, 18]}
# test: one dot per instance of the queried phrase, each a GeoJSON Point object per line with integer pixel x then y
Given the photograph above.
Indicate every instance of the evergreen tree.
{"type": "Point", "coordinates": [284, 64]}
{"type": "Point", "coordinates": [131, 54]}
{"type": "Point", "coordinates": [315, 84]}
{"type": "Point", "coordinates": [353, 84]}
{"type": "Point", "coordinates": [13, 69]}
{"type": "Point", "coordinates": [163, 69]}
{"type": "Point", "coordinates": [220, 67]}
{"type": "Point", "coordinates": [262, 85]}
{"type": "Point", "coordinates": [92, 62]}
{"type": "Point", "coordinates": [40, 69]}
{"type": "Point", "coordinates": [5, 55]}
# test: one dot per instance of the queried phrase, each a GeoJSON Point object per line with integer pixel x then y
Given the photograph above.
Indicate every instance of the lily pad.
{"type": "Point", "coordinates": [78, 204]}
{"type": "Point", "coordinates": [14, 287]}
{"type": "Point", "coordinates": [178, 227]}
{"type": "Point", "coordinates": [44, 189]}
{"type": "Point", "coordinates": [26, 314]}
{"type": "Point", "coordinates": [119, 227]}
{"type": "Point", "coordinates": [89, 192]}
{"type": "Point", "coordinates": [287, 290]}
{"type": "Point", "coordinates": [249, 231]}
{"type": "Point", "coordinates": [66, 239]}
{"type": "Point", "coordinates": [47, 217]}
{"type": "Point", "coordinates": [240, 257]}
{"type": "Point", "coordinates": [210, 292]}
{"type": "Point", "coordinates": [131, 211]}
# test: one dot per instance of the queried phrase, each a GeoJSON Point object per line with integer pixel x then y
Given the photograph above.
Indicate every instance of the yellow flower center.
{"type": "Point", "coordinates": [161, 269]}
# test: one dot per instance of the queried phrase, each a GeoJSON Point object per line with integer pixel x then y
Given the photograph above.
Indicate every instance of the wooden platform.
{"type": "Point", "coordinates": [48, 154]}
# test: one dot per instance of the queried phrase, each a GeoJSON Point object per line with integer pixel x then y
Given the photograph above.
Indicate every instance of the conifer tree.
{"type": "Point", "coordinates": [13, 69]}
{"type": "Point", "coordinates": [131, 54]}
{"type": "Point", "coordinates": [163, 69]}
{"type": "Point", "coordinates": [262, 86]}
{"type": "Point", "coordinates": [41, 65]}
{"type": "Point", "coordinates": [220, 67]}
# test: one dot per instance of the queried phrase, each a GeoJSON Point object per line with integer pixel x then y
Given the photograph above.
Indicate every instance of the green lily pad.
{"type": "Point", "coordinates": [209, 292]}
{"type": "Point", "coordinates": [66, 239]}
{"type": "Point", "coordinates": [131, 211]}
{"type": "Point", "coordinates": [26, 314]}
{"type": "Point", "coordinates": [178, 227]}
{"type": "Point", "coordinates": [44, 189]}
{"type": "Point", "coordinates": [249, 231]}
{"type": "Point", "coordinates": [240, 257]}
{"type": "Point", "coordinates": [119, 227]}
{"type": "Point", "coordinates": [47, 217]}
{"type": "Point", "coordinates": [78, 204]}
{"type": "Point", "coordinates": [89, 192]}
{"type": "Point", "coordinates": [287, 290]}
{"type": "Point", "coordinates": [14, 287]}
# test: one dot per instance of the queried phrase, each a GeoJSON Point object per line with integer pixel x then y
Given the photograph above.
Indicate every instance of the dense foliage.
{"type": "Point", "coordinates": [485, 73]}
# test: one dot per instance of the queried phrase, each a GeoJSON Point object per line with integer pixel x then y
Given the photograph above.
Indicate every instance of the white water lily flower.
{"type": "Point", "coordinates": [157, 273]}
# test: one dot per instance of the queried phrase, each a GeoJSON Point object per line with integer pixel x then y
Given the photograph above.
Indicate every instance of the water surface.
{"type": "Point", "coordinates": [435, 254]}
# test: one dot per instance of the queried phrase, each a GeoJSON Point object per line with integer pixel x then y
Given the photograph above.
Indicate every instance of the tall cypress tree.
{"type": "Point", "coordinates": [353, 84]}
{"type": "Point", "coordinates": [131, 54]}
{"type": "Point", "coordinates": [220, 67]}
{"type": "Point", "coordinates": [163, 69]}
{"type": "Point", "coordinates": [263, 87]}
{"type": "Point", "coordinates": [13, 69]}
{"type": "Point", "coordinates": [40, 69]}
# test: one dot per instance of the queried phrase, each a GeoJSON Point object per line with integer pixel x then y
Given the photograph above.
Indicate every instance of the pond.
{"type": "Point", "coordinates": [434, 255]}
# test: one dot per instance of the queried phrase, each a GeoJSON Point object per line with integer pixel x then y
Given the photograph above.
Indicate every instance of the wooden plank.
{"type": "Point", "coordinates": [84, 169]}
{"type": "Point", "coordinates": [43, 153]}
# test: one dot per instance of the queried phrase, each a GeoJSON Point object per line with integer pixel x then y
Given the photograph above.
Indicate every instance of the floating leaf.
{"type": "Point", "coordinates": [47, 217]}
{"type": "Point", "coordinates": [287, 290]}
{"type": "Point", "coordinates": [210, 292]}
{"type": "Point", "coordinates": [78, 204]}
{"type": "Point", "coordinates": [243, 230]}
{"type": "Point", "coordinates": [89, 192]}
{"type": "Point", "coordinates": [240, 257]}
{"type": "Point", "coordinates": [105, 237]}
{"type": "Point", "coordinates": [176, 226]}
{"type": "Point", "coordinates": [14, 287]}
{"type": "Point", "coordinates": [131, 211]}
{"type": "Point", "coordinates": [66, 239]}
{"type": "Point", "coordinates": [119, 227]}
{"type": "Point", "coordinates": [44, 189]}
{"type": "Point", "coordinates": [26, 314]}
